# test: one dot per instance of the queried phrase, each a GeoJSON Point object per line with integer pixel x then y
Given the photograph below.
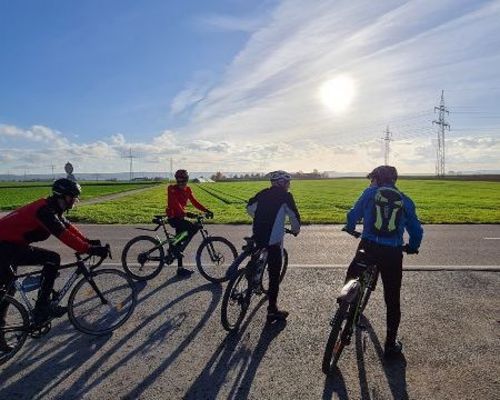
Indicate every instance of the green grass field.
{"type": "Point", "coordinates": [320, 201]}
{"type": "Point", "coordinates": [16, 194]}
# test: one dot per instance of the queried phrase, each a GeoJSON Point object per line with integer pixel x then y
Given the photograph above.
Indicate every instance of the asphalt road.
{"type": "Point", "coordinates": [326, 245]}
{"type": "Point", "coordinates": [174, 347]}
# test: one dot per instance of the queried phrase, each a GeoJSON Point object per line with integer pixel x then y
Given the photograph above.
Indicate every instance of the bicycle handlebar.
{"type": "Point", "coordinates": [406, 248]}
{"type": "Point", "coordinates": [199, 217]}
{"type": "Point", "coordinates": [80, 258]}
{"type": "Point", "coordinates": [354, 233]}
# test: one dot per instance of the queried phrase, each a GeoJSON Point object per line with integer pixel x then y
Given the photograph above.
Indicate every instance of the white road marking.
{"type": "Point", "coordinates": [492, 238]}
{"type": "Point", "coordinates": [344, 267]}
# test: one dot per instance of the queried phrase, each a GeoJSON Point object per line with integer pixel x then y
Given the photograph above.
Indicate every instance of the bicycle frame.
{"type": "Point", "coordinates": [354, 291]}
{"type": "Point", "coordinates": [81, 269]}
{"type": "Point", "coordinates": [173, 240]}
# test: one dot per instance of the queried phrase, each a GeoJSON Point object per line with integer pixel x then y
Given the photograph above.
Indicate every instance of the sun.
{"type": "Point", "coordinates": [337, 93]}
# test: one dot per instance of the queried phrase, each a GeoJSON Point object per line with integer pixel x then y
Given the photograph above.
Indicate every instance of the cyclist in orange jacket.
{"type": "Point", "coordinates": [177, 197]}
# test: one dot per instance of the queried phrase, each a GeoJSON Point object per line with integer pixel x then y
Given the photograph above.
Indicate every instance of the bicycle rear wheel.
{"type": "Point", "coordinates": [236, 301]}
{"type": "Point", "coordinates": [337, 340]}
{"type": "Point", "coordinates": [264, 283]}
{"type": "Point", "coordinates": [90, 313]}
{"type": "Point", "coordinates": [143, 258]}
{"type": "Point", "coordinates": [214, 257]}
{"type": "Point", "coordinates": [16, 328]}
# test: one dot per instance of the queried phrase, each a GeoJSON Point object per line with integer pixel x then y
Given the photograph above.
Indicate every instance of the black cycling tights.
{"type": "Point", "coordinates": [389, 261]}
{"type": "Point", "coordinates": [14, 255]}
{"type": "Point", "coordinates": [274, 260]}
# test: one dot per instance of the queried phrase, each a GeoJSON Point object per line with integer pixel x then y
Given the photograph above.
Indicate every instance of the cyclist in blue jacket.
{"type": "Point", "coordinates": [386, 214]}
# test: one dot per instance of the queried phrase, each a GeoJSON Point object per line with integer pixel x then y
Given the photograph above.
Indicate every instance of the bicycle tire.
{"type": "Point", "coordinates": [264, 281]}
{"type": "Point", "coordinates": [83, 302]}
{"type": "Point", "coordinates": [16, 328]}
{"type": "Point", "coordinates": [242, 298]}
{"type": "Point", "coordinates": [336, 342]}
{"type": "Point", "coordinates": [137, 268]}
{"type": "Point", "coordinates": [215, 270]}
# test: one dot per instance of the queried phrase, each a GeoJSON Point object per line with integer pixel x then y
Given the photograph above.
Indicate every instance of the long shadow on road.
{"type": "Point", "coordinates": [227, 358]}
{"type": "Point", "coordinates": [55, 364]}
{"type": "Point", "coordinates": [85, 383]}
{"type": "Point", "coordinates": [64, 358]}
{"type": "Point", "coordinates": [394, 368]}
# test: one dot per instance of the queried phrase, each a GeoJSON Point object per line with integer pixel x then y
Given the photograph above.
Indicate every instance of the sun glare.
{"type": "Point", "coordinates": [338, 93]}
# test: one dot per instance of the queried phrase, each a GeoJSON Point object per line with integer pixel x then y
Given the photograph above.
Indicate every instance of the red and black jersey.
{"type": "Point", "coordinates": [177, 199]}
{"type": "Point", "coordinates": [36, 221]}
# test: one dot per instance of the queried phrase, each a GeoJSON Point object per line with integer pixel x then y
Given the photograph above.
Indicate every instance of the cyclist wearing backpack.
{"type": "Point", "coordinates": [177, 197]}
{"type": "Point", "coordinates": [269, 208]}
{"type": "Point", "coordinates": [35, 222]}
{"type": "Point", "coordinates": [386, 213]}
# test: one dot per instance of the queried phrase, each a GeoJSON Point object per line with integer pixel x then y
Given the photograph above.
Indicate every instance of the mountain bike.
{"type": "Point", "coordinates": [352, 301]}
{"type": "Point", "coordinates": [144, 256]}
{"type": "Point", "coordinates": [100, 302]}
{"type": "Point", "coordinates": [246, 282]}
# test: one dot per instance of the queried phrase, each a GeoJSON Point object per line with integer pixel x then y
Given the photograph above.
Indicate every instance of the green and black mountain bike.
{"type": "Point", "coordinates": [144, 256]}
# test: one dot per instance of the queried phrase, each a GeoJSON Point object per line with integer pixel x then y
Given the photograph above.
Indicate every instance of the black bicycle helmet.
{"type": "Point", "coordinates": [279, 176]}
{"type": "Point", "coordinates": [181, 175]}
{"type": "Point", "coordinates": [64, 186]}
{"type": "Point", "coordinates": [384, 174]}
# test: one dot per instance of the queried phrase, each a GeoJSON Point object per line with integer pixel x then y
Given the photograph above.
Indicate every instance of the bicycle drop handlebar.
{"type": "Point", "coordinates": [80, 258]}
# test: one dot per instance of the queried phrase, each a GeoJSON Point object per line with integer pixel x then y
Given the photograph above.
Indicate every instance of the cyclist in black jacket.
{"type": "Point", "coordinates": [269, 209]}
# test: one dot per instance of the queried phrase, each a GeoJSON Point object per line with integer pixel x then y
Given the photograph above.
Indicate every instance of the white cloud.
{"type": "Point", "coordinates": [37, 133]}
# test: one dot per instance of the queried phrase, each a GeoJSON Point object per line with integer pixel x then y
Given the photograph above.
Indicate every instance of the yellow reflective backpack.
{"type": "Point", "coordinates": [388, 208]}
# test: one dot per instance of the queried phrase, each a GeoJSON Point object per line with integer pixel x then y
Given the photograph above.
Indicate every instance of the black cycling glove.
{"type": "Point", "coordinates": [100, 251]}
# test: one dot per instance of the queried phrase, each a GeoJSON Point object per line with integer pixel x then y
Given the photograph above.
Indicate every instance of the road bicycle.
{"type": "Point", "coordinates": [246, 282]}
{"type": "Point", "coordinates": [100, 302]}
{"type": "Point", "coordinates": [144, 256]}
{"type": "Point", "coordinates": [352, 301]}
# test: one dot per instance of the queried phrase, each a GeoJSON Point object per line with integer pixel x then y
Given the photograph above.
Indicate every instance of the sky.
{"type": "Point", "coordinates": [235, 85]}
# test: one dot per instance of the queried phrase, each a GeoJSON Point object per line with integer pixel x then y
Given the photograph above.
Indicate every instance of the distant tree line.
{"type": "Point", "coordinates": [219, 176]}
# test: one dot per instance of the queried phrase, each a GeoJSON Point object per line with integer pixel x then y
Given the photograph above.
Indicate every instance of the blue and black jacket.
{"type": "Point", "coordinates": [364, 209]}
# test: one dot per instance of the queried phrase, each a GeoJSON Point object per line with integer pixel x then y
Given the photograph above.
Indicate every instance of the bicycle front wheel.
{"type": "Point", "coordinates": [102, 303]}
{"type": "Point", "coordinates": [337, 340]}
{"type": "Point", "coordinates": [236, 301]}
{"type": "Point", "coordinates": [264, 283]}
{"type": "Point", "coordinates": [14, 331]}
{"type": "Point", "coordinates": [143, 258]}
{"type": "Point", "coordinates": [214, 257]}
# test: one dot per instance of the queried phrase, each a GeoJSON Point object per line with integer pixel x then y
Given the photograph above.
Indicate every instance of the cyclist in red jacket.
{"type": "Point", "coordinates": [35, 222]}
{"type": "Point", "coordinates": [177, 197]}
